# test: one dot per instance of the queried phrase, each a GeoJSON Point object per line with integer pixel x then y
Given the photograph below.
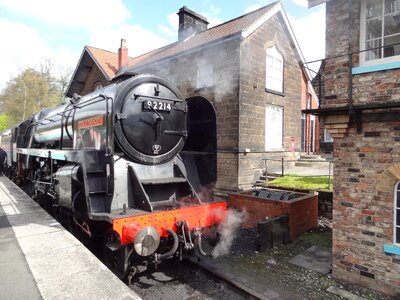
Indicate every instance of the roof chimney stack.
{"type": "Point", "coordinates": [190, 23]}
{"type": "Point", "coordinates": [122, 55]}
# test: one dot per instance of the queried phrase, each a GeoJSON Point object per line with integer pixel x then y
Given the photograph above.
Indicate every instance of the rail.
{"type": "Point", "coordinates": [282, 161]}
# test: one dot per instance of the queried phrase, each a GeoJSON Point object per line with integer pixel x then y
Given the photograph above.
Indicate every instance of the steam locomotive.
{"type": "Point", "coordinates": [110, 164]}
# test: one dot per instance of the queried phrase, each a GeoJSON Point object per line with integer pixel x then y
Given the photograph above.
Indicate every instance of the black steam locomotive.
{"type": "Point", "coordinates": [109, 163]}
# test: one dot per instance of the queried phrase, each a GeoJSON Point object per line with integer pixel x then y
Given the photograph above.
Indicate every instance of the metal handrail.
{"type": "Point", "coordinates": [283, 160]}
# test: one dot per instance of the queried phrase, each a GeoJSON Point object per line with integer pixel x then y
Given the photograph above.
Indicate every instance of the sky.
{"type": "Point", "coordinates": [32, 31]}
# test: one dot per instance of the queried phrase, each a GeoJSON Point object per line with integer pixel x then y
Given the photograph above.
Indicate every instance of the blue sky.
{"type": "Point", "coordinates": [32, 31]}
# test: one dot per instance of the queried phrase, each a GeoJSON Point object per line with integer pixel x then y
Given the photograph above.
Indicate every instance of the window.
{"type": "Point", "coordinates": [380, 31]}
{"type": "Point", "coordinates": [308, 101]}
{"type": "Point", "coordinates": [303, 132]}
{"type": "Point", "coordinates": [396, 229]}
{"type": "Point", "coordinates": [274, 70]}
{"type": "Point", "coordinates": [327, 136]}
{"type": "Point", "coordinates": [205, 76]}
{"type": "Point", "coordinates": [273, 127]}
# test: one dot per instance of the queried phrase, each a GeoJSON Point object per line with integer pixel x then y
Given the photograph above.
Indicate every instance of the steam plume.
{"type": "Point", "coordinates": [227, 231]}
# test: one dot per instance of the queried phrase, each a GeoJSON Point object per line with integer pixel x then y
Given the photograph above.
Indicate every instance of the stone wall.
{"type": "Point", "coordinates": [239, 97]}
{"type": "Point", "coordinates": [223, 95]}
{"type": "Point", "coordinates": [254, 98]}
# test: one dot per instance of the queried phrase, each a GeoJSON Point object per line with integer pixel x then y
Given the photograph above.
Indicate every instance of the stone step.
{"type": "Point", "coordinates": [262, 184]}
{"type": "Point", "coordinates": [311, 157]}
{"type": "Point", "coordinates": [321, 163]}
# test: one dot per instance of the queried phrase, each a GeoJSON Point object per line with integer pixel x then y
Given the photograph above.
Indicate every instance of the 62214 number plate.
{"type": "Point", "coordinates": [157, 105]}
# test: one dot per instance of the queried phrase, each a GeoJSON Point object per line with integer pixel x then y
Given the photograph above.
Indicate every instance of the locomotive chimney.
{"type": "Point", "coordinates": [190, 23]}
{"type": "Point", "coordinates": [122, 55]}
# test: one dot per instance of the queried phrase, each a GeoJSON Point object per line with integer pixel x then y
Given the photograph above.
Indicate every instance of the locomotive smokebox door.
{"type": "Point", "coordinates": [150, 120]}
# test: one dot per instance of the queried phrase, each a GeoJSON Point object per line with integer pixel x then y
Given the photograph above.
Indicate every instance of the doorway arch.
{"type": "Point", "coordinates": [200, 150]}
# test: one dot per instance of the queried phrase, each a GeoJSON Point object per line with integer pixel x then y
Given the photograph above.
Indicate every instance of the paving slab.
{"type": "Point", "coordinates": [343, 294]}
{"type": "Point", "coordinates": [16, 280]}
{"type": "Point", "coordinates": [39, 259]}
{"type": "Point", "coordinates": [316, 258]}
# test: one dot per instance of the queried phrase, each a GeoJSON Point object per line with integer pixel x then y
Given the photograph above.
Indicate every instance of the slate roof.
{"type": "Point", "coordinates": [108, 61]}
{"type": "Point", "coordinates": [213, 34]}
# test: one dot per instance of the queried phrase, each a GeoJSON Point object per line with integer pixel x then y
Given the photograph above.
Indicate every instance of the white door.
{"type": "Point", "coordinates": [273, 127]}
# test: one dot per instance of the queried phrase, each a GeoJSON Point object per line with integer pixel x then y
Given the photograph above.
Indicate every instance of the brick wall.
{"type": "Point", "coordinates": [342, 22]}
{"type": "Point", "coordinates": [364, 180]}
{"type": "Point", "coordinates": [363, 215]}
{"type": "Point", "coordinates": [343, 37]}
{"type": "Point", "coordinates": [94, 76]}
{"type": "Point", "coordinates": [302, 212]}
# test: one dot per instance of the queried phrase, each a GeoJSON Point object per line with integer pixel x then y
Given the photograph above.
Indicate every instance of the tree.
{"type": "Point", "coordinates": [31, 91]}
{"type": "Point", "coordinates": [63, 78]}
{"type": "Point", "coordinates": [4, 123]}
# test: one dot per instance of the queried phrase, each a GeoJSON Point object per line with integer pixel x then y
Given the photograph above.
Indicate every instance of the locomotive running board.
{"type": "Point", "coordinates": [196, 216]}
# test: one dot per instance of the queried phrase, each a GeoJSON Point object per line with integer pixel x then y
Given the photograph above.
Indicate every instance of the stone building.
{"type": "Point", "coordinates": [245, 74]}
{"type": "Point", "coordinates": [360, 107]}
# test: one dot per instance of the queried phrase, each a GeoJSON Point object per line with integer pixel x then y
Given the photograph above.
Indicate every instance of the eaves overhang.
{"type": "Point", "coordinates": [312, 3]}
{"type": "Point", "coordinates": [236, 35]}
{"type": "Point", "coordinates": [84, 66]}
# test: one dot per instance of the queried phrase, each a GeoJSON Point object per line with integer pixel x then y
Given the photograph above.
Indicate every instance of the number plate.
{"type": "Point", "coordinates": [157, 105]}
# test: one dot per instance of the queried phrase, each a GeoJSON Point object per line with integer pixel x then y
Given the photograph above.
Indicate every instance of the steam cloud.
{"type": "Point", "coordinates": [227, 231]}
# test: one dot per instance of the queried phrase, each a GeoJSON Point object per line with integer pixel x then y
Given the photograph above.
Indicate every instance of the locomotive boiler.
{"type": "Point", "coordinates": [109, 164]}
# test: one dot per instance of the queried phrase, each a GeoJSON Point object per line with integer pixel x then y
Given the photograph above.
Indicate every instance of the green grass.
{"type": "Point", "coordinates": [323, 238]}
{"type": "Point", "coordinates": [312, 183]}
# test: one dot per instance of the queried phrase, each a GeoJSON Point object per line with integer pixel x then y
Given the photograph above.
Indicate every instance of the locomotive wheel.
{"type": "Point", "coordinates": [115, 257]}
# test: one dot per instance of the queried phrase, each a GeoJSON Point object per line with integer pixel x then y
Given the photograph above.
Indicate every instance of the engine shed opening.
{"type": "Point", "coordinates": [201, 144]}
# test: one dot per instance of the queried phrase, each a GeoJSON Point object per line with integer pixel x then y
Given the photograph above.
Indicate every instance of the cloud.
{"type": "Point", "coordinates": [212, 16]}
{"type": "Point", "coordinates": [252, 8]}
{"type": "Point", "coordinates": [171, 31]}
{"type": "Point", "coordinates": [310, 33]}
{"type": "Point", "coordinates": [26, 48]}
{"type": "Point", "coordinates": [139, 40]}
{"type": "Point", "coordinates": [303, 3]}
{"type": "Point", "coordinates": [88, 14]}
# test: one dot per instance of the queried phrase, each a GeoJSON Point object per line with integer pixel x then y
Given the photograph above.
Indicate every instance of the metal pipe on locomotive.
{"type": "Point", "coordinates": [110, 164]}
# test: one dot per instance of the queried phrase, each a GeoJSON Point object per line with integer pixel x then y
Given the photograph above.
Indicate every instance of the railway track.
{"type": "Point", "coordinates": [186, 280]}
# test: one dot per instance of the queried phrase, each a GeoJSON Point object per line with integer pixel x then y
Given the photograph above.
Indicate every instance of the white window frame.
{"type": "Point", "coordinates": [273, 70]}
{"type": "Point", "coordinates": [396, 223]}
{"type": "Point", "coordinates": [326, 139]}
{"type": "Point", "coordinates": [363, 61]}
{"type": "Point", "coordinates": [270, 143]}
{"type": "Point", "coordinates": [205, 76]}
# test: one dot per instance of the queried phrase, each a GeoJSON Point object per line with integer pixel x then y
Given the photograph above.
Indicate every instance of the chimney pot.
{"type": "Point", "coordinates": [190, 22]}
{"type": "Point", "coordinates": [122, 55]}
